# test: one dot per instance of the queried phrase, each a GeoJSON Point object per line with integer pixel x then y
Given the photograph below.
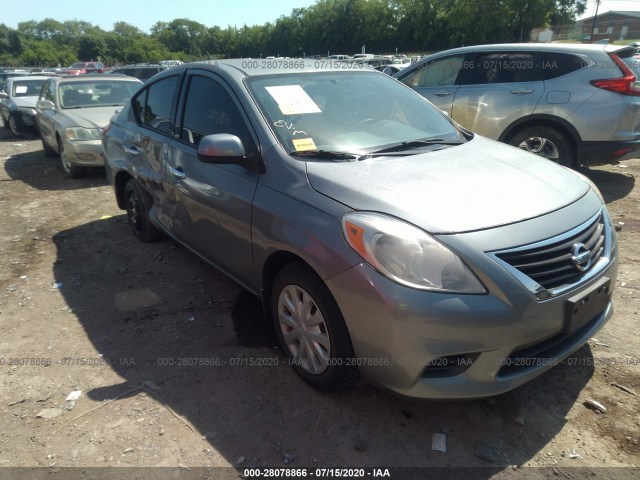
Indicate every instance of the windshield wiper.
{"type": "Point", "coordinates": [409, 145]}
{"type": "Point", "coordinates": [328, 154]}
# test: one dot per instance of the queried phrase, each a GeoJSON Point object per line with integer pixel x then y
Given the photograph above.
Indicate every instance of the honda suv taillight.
{"type": "Point", "coordinates": [626, 85]}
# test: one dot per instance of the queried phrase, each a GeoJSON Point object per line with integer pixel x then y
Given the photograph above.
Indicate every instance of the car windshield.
{"type": "Point", "coordinates": [27, 88]}
{"type": "Point", "coordinates": [350, 112]}
{"type": "Point", "coordinates": [96, 93]}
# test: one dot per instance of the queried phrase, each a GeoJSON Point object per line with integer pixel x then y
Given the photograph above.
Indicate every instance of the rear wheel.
{"type": "Point", "coordinates": [138, 203]}
{"type": "Point", "coordinates": [311, 330]}
{"type": "Point", "coordinates": [546, 142]}
{"type": "Point", "coordinates": [70, 170]}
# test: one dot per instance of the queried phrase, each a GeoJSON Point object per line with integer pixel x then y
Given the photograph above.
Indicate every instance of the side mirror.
{"type": "Point", "coordinates": [3, 95]}
{"type": "Point", "coordinates": [45, 105]}
{"type": "Point", "coordinates": [220, 148]}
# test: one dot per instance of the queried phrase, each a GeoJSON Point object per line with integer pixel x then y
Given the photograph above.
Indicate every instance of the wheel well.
{"type": "Point", "coordinates": [119, 183]}
{"type": "Point", "coordinates": [568, 134]}
{"type": "Point", "coordinates": [276, 262]}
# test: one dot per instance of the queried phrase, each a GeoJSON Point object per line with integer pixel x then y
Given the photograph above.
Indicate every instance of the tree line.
{"type": "Point", "coordinates": [327, 27]}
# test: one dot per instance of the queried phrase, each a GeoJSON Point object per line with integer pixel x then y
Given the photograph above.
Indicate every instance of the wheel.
{"type": "Point", "coordinates": [48, 151]}
{"type": "Point", "coordinates": [16, 125]}
{"type": "Point", "coordinates": [138, 203]}
{"type": "Point", "coordinates": [310, 329]}
{"type": "Point", "coordinates": [70, 170]}
{"type": "Point", "coordinates": [547, 143]}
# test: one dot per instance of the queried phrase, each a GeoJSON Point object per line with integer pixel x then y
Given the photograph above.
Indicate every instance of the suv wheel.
{"type": "Point", "coordinates": [547, 143]}
{"type": "Point", "coordinates": [310, 329]}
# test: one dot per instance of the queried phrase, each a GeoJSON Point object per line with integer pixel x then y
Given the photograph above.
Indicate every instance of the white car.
{"type": "Point", "coordinates": [18, 101]}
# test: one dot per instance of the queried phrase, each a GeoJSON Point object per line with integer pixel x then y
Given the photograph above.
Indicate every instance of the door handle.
{"type": "Point", "coordinates": [443, 94]}
{"type": "Point", "coordinates": [521, 92]}
{"type": "Point", "coordinates": [133, 151]}
{"type": "Point", "coordinates": [178, 173]}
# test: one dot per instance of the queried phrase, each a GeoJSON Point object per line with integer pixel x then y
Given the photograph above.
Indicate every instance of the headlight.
{"type": "Point", "coordinates": [79, 133]}
{"type": "Point", "coordinates": [407, 255]}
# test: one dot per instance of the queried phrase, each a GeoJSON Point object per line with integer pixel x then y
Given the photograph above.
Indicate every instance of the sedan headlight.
{"type": "Point", "coordinates": [79, 133]}
{"type": "Point", "coordinates": [407, 255]}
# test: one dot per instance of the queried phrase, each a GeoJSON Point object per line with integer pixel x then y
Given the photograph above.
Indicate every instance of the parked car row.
{"type": "Point", "coordinates": [383, 239]}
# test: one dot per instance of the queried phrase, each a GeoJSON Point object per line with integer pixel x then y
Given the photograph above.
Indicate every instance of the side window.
{"type": "Point", "coordinates": [47, 92]}
{"type": "Point", "coordinates": [153, 105]}
{"type": "Point", "coordinates": [555, 64]}
{"type": "Point", "coordinates": [439, 72]}
{"type": "Point", "coordinates": [210, 109]}
{"type": "Point", "coordinates": [503, 67]}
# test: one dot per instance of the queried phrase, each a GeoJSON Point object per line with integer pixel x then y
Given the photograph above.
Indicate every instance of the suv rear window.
{"type": "Point", "coordinates": [631, 60]}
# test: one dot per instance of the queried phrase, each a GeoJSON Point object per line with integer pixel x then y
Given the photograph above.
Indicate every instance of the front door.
{"type": "Point", "coordinates": [212, 202]}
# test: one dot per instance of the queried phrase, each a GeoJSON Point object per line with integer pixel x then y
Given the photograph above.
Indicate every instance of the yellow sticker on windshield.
{"type": "Point", "coordinates": [304, 144]}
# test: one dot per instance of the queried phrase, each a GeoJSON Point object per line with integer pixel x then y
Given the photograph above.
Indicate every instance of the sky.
{"type": "Point", "coordinates": [145, 13]}
{"type": "Point", "coordinates": [606, 5]}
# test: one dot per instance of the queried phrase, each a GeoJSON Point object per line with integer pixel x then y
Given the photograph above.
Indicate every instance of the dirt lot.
{"type": "Point", "coordinates": [160, 346]}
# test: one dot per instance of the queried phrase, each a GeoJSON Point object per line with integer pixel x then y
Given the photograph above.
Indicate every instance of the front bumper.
{"type": "Point", "coordinates": [87, 153]}
{"type": "Point", "coordinates": [437, 345]}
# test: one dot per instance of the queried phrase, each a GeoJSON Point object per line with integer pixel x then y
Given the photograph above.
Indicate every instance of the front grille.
{"type": "Point", "coordinates": [553, 264]}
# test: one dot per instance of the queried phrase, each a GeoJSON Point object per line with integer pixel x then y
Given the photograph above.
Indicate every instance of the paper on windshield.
{"type": "Point", "coordinates": [293, 100]}
{"type": "Point", "coordinates": [21, 89]}
{"type": "Point", "coordinates": [304, 144]}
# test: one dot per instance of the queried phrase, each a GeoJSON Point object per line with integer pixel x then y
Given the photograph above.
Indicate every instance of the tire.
{"type": "Point", "coordinates": [16, 125]}
{"type": "Point", "coordinates": [48, 151]}
{"type": "Point", "coordinates": [546, 142]}
{"type": "Point", "coordinates": [70, 170]}
{"type": "Point", "coordinates": [138, 203]}
{"type": "Point", "coordinates": [311, 330]}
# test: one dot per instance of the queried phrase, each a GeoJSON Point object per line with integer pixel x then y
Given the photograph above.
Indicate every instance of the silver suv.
{"type": "Point", "coordinates": [573, 104]}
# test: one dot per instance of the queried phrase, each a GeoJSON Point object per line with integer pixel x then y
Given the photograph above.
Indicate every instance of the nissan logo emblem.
{"type": "Point", "coordinates": [581, 256]}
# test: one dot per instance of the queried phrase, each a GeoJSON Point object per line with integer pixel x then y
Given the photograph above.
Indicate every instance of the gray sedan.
{"type": "Point", "coordinates": [382, 239]}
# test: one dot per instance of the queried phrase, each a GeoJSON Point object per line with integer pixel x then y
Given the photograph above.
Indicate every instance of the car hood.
{"type": "Point", "coordinates": [29, 101]}
{"type": "Point", "coordinates": [474, 186]}
{"type": "Point", "coordinates": [95, 117]}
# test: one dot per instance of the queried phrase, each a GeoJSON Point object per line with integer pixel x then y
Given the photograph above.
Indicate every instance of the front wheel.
{"type": "Point", "coordinates": [311, 330]}
{"type": "Point", "coordinates": [70, 170]}
{"type": "Point", "coordinates": [138, 203]}
{"type": "Point", "coordinates": [546, 142]}
{"type": "Point", "coordinates": [16, 124]}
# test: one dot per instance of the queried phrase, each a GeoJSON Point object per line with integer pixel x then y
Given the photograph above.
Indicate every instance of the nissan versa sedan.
{"type": "Point", "coordinates": [72, 112]}
{"type": "Point", "coordinates": [382, 239]}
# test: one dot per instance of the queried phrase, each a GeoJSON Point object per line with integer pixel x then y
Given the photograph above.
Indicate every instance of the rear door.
{"type": "Point", "coordinates": [497, 88]}
{"type": "Point", "coordinates": [147, 148]}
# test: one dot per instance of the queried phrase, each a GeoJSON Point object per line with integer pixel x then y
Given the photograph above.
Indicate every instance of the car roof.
{"type": "Point", "coordinates": [259, 67]}
{"type": "Point", "coordinates": [549, 47]}
{"type": "Point", "coordinates": [27, 78]}
{"type": "Point", "coordinates": [91, 76]}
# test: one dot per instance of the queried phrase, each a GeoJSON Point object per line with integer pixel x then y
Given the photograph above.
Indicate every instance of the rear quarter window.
{"type": "Point", "coordinates": [557, 64]}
